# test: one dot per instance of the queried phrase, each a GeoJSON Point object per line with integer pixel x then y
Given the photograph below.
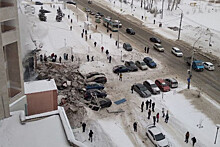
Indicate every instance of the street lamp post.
{"type": "Point", "coordinates": [181, 18]}
{"type": "Point", "coordinates": [118, 29]}
{"type": "Point", "coordinates": [218, 126]}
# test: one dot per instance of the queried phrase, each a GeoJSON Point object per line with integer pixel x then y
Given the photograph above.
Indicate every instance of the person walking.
{"type": "Point", "coordinates": [120, 76]}
{"type": "Point", "coordinates": [86, 37]}
{"type": "Point", "coordinates": [60, 59]}
{"type": "Point", "coordinates": [72, 57]}
{"type": "Point", "coordinates": [154, 120]}
{"type": "Point", "coordinates": [41, 58]}
{"type": "Point", "coordinates": [110, 35]}
{"type": "Point", "coordinates": [145, 49]}
{"type": "Point", "coordinates": [95, 43]}
{"type": "Point", "coordinates": [132, 88]}
{"type": "Point", "coordinates": [187, 137]}
{"type": "Point", "coordinates": [110, 59]}
{"type": "Point", "coordinates": [116, 43]}
{"type": "Point", "coordinates": [142, 106]}
{"type": "Point", "coordinates": [102, 49]}
{"type": "Point", "coordinates": [96, 27]}
{"type": "Point", "coordinates": [147, 103]}
{"type": "Point", "coordinates": [157, 117]}
{"type": "Point", "coordinates": [90, 135]}
{"type": "Point", "coordinates": [150, 103]}
{"type": "Point", "coordinates": [135, 126]}
{"type": "Point", "coordinates": [107, 52]}
{"type": "Point", "coordinates": [82, 35]}
{"type": "Point", "coordinates": [163, 113]}
{"type": "Point", "coordinates": [71, 28]}
{"type": "Point", "coordinates": [92, 58]}
{"type": "Point", "coordinates": [90, 36]}
{"type": "Point", "coordinates": [88, 58]}
{"type": "Point", "coordinates": [167, 117]}
{"type": "Point", "coordinates": [153, 106]}
{"type": "Point", "coordinates": [148, 50]}
{"type": "Point", "coordinates": [85, 32]}
{"type": "Point", "coordinates": [83, 126]}
{"type": "Point", "coordinates": [193, 141]}
{"type": "Point", "coordinates": [71, 20]}
{"type": "Point", "coordinates": [149, 113]}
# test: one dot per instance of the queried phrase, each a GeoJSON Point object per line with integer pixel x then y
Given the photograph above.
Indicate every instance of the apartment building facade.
{"type": "Point", "coordinates": [11, 74]}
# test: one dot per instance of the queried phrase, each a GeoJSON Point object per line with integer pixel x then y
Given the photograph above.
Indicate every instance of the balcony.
{"type": "Point", "coordinates": [9, 37]}
{"type": "Point", "coordinates": [7, 12]}
{"type": "Point", "coordinates": [5, 4]}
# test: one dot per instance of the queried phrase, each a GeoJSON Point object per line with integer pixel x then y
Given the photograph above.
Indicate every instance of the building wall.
{"type": "Point", "coordinates": [11, 74]}
{"type": "Point", "coordinates": [41, 102]}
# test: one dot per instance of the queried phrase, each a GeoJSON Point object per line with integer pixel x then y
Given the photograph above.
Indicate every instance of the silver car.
{"type": "Point", "coordinates": [151, 86]}
{"type": "Point", "coordinates": [141, 90]}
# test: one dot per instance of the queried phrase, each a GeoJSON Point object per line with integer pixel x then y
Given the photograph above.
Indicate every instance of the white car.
{"type": "Point", "coordinates": [158, 47]}
{"type": "Point", "coordinates": [208, 66]}
{"type": "Point", "coordinates": [177, 52]}
{"type": "Point", "coordinates": [156, 136]}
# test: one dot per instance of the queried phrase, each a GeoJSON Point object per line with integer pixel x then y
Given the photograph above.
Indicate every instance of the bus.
{"type": "Point", "coordinates": [110, 24]}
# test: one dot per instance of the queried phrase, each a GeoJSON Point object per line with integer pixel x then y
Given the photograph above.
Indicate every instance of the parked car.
{"type": "Point", "coordinates": [91, 74]}
{"type": "Point", "coordinates": [158, 47]}
{"type": "Point", "coordinates": [142, 90]}
{"type": "Point", "coordinates": [38, 3]}
{"type": "Point", "coordinates": [118, 22]}
{"type": "Point", "coordinates": [127, 47]}
{"type": "Point", "coordinates": [94, 85]}
{"type": "Point", "coordinates": [97, 78]}
{"type": "Point", "coordinates": [156, 136]}
{"type": "Point", "coordinates": [94, 92]}
{"type": "Point", "coordinates": [131, 66]}
{"type": "Point", "coordinates": [89, 2]}
{"type": "Point", "coordinates": [72, 3]}
{"type": "Point", "coordinates": [141, 64]}
{"type": "Point", "coordinates": [87, 10]}
{"type": "Point", "coordinates": [150, 62]}
{"type": "Point", "coordinates": [100, 14]}
{"type": "Point", "coordinates": [171, 82]}
{"type": "Point", "coordinates": [177, 52]}
{"type": "Point", "coordinates": [130, 31]}
{"type": "Point", "coordinates": [104, 102]}
{"type": "Point", "coordinates": [151, 86]}
{"type": "Point", "coordinates": [208, 66]}
{"type": "Point", "coordinates": [120, 69]}
{"type": "Point", "coordinates": [155, 40]}
{"type": "Point", "coordinates": [92, 13]}
{"type": "Point", "coordinates": [162, 85]}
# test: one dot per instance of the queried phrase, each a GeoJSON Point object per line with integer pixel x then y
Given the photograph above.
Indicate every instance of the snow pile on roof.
{"type": "Point", "coordinates": [39, 86]}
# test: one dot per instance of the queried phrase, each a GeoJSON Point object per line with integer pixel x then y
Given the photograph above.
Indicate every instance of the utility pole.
{"type": "Point", "coordinates": [181, 18]}
{"type": "Point", "coordinates": [118, 33]}
{"type": "Point", "coordinates": [218, 126]}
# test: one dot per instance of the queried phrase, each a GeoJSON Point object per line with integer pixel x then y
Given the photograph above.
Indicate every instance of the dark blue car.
{"type": "Point", "coordinates": [120, 69]}
{"type": "Point", "coordinates": [94, 85]}
{"type": "Point", "coordinates": [150, 62]}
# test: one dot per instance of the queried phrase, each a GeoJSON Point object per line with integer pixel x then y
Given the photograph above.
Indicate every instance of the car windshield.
{"type": "Point", "coordinates": [178, 51]}
{"type": "Point", "coordinates": [159, 137]}
{"type": "Point", "coordinates": [143, 88]}
{"type": "Point", "coordinates": [128, 45]}
{"type": "Point", "coordinates": [199, 64]}
{"type": "Point", "coordinates": [153, 85]}
{"type": "Point", "coordinates": [159, 46]}
{"type": "Point", "coordinates": [143, 63]}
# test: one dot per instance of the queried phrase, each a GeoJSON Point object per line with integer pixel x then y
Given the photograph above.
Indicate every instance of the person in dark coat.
{"type": "Point", "coordinates": [166, 117]}
{"type": "Point", "coordinates": [60, 59]}
{"type": "Point", "coordinates": [95, 43]}
{"type": "Point", "coordinates": [142, 106]}
{"type": "Point", "coordinates": [193, 141]}
{"type": "Point", "coordinates": [147, 103]}
{"type": "Point", "coordinates": [154, 119]}
{"type": "Point", "coordinates": [145, 49]}
{"type": "Point", "coordinates": [45, 58]}
{"type": "Point", "coordinates": [90, 36]}
{"type": "Point", "coordinates": [96, 27]}
{"type": "Point", "coordinates": [132, 88]}
{"type": "Point", "coordinates": [55, 57]}
{"type": "Point", "coordinates": [135, 126]}
{"type": "Point", "coordinates": [71, 21]}
{"type": "Point", "coordinates": [149, 113]}
{"type": "Point", "coordinates": [92, 58]}
{"type": "Point", "coordinates": [116, 43]}
{"type": "Point", "coordinates": [102, 49]}
{"type": "Point", "coordinates": [153, 106]}
{"type": "Point", "coordinates": [86, 32]}
{"type": "Point", "coordinates": [90, 135]}
{"type": "Point", "coordinates": [163, 113]}
{"type": "Point", "coordinates": [148, 49]}
{"type": "Point", "coordinates": [106, 52]}
{"type": "Point", "coordinates": [110, 59]}
{"type": "Point", "coordinates": [150, 103]}
{"type": "Point", "coordinates": [187, 137]}
{"type": "Point", "coordinates": [88, 58]}
{"type": "Point", "coordinates": [157, 116]}
{"type": "Point", "coordinates": [82, 35]}
{"type": "Point", "coordinates": [72, 57]}
{"type": "Point", "coordinates": [110, 35]}
{"type": "Point", "coordinates": [83, 30]}
{"type": "Point", "coordinates": [41, 58]}
{"type": "Point", "coordinates": [84, 127]}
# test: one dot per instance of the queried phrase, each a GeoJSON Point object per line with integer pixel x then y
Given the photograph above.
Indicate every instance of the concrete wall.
{"type": "Point", "coordinates": [41, 102]}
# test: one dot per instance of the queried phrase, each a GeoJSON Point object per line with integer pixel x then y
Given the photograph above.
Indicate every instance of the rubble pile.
{"type": "Point", "coordinates": [71, 84]}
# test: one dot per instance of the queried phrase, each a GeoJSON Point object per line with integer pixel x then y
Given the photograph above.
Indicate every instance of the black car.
{"type": "Point", "coordinates": [89, 2]}
{"type": "Point", "coordinates": [94, 85]}
{"type": "Point", "coordinates": [127, 47]}
{"type": "Point", "coordinates": [100, 14]}
{"type": "Point", "coordinates": [91, 74]}
{"type": "Point", "coordinates": [141, 90]}
{"type": "Point", "coordinates": [150, 62]}
{"type": "Point", "coordinates": [130, 31]}
{"type": "Point", "coordinates": [94, 92]}
{"type": "Point", "coordinates": [104, 102]}
{"type": "Point", "coordinates": [155, 40]}
{"type": "Point", "coordinates": [131, 66]}
{"type": "Point", "coordinates": [120, 69]}
{"type": "Point", "coordinates": [38, 3]}
{"type": "Point", "coordinates": [72, 3]}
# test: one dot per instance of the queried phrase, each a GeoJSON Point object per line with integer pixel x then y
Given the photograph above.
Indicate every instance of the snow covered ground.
{"type": "Point", "coordinates": [117, 129]}
{"type": "Point", "coordinates": [199, 20]}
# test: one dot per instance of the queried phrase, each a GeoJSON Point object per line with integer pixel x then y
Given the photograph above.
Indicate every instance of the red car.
{"type": "Point", "coordinates": [162, 85]}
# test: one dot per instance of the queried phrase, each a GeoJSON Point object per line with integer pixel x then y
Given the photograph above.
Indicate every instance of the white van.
{"type": "Point", "coordinates": [208, 66]}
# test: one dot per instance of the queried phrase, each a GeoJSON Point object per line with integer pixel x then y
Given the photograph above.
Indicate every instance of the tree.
{"type": "Point", "coordinates": [169, 3]}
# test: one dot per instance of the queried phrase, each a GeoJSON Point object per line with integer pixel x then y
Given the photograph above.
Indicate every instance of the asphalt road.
{"type": "Point", "coordinates": [207, 81]}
